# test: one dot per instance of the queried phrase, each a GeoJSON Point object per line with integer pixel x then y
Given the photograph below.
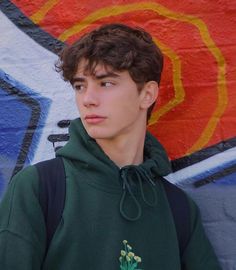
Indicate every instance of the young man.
{"type": "Point", "coordinates": [116, 213]}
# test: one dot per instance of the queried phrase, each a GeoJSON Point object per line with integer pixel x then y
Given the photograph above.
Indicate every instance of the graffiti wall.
{"type": "Point", "coordinates": [194, 118]}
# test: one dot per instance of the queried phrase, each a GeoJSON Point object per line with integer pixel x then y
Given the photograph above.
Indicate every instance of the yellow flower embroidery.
{"type": "Point", "coordinates": [122, 253]}
{"type": "Point", "coordinates": [137, 259]}
{"type": "Point", "coordinates": [128, 260]}
{"type": "Point", "coordinates": [131, 254]}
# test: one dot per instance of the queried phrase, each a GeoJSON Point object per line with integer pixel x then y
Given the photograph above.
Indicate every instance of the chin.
{"type": "Point", "coordinates": [97, 134]}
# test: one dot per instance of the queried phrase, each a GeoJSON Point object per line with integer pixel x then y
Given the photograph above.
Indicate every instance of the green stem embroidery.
{"type": "Point", "coordinates": [128, 260]}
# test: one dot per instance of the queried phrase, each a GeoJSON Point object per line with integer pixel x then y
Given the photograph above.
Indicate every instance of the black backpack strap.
{"type": "Point", "coordinates": [181, 213]}
{"type": "Point", "coordinates": [52, 189]}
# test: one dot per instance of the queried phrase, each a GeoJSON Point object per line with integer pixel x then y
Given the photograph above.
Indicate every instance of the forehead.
{"type": "Point", "coordinates": [85, 68]}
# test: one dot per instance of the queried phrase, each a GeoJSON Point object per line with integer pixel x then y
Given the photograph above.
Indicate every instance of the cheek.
{"type": "Point", "coordinates": [125, 112]}
{"type": "Point", "coordinates": [130, 105]}
{"type": "Point", "coordinates": [78, 103]}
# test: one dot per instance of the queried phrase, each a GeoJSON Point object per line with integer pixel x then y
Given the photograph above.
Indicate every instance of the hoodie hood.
{"type": "Point", "coordinates": [85, 153]}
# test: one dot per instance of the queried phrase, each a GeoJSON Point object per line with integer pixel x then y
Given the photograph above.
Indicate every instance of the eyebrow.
{"type": "Point", "coordinates": [98, 77]}
{"type": "Point", "coordinates": [78, 79]}
{"type": "Point", "coordinates": [105, 75]}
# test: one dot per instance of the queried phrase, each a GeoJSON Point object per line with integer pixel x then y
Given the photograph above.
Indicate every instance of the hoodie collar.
{"type": "Point", "coordinates": [84, 150]}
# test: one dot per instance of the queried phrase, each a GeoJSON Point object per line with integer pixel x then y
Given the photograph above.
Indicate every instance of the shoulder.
{"type": "Point", "coordinates": [199, 243]}
{"type": "Point", "coordinates": [185, 211]}
{"type": "Point", "coordinates": [176, 196]}
{"type": "Point", "coordinates": [182, 204]}
{"type": "Point", "coordinates": [180, 196]}
{"type": "Point", "coordinates": [22, 220]}
{"type": "Point", "coordinates": [22, 191]}
{"type": "Point", "coordinates": [194, 211]}
{"type": "Point", "coordinates": [25, 180]}
{"type": "Point", "coordinates": [20, 198]}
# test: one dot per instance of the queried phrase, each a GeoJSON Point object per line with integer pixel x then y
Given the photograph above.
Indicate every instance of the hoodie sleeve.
{"type": "Point", "coordinates": [22, 229]}
{"type": "Point", "coordinates": [199, 253]}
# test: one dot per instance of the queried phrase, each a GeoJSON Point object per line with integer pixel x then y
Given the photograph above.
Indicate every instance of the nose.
{"type": "Point", "coordinates": [91, 97]}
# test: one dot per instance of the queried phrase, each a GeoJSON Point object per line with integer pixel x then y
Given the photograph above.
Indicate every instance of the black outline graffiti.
{"type": "Point", "coordinates": [32, 30]}
{"type": "Point", "coordinates": [64, 137]}
{"type": "Point", "coordinates": [33, 122]}
{"type": "Point", "coordinates": [52, 44]}
{"type": "Point", "coordinates": [216, 176]}
{"type": "Point", "coordinates": [203, 154]}
{"type": "Point", "coordinates": [53, 138]}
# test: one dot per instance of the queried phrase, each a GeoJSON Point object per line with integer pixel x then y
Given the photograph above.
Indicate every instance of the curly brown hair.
{"type": "Point", "coordinates": [118, 46]}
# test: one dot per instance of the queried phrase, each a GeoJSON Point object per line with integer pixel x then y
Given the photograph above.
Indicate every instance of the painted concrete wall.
{"type": "Point", "coordinates": [195, 116]}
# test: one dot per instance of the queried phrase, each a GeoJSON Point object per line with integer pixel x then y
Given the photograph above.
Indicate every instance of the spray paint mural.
{"type": "Point", "coordinates": [194, 118]}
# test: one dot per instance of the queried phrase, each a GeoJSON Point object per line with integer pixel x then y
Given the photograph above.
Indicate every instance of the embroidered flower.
{"type": "Point", "coordinates": [122, 253]}
{"type": "Point", "coordinates": [137, 259]}
{"type": "Point", "coordinates": [128, 260]}
{"type": "Point", "coordinates": [129, 247]}
{"type": "Point", "coordinates": [131, 254]}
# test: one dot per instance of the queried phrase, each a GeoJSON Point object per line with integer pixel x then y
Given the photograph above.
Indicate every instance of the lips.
{"type": "Point", "coordinates": [94, 119]}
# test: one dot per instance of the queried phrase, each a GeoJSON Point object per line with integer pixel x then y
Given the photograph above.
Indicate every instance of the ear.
{"type": "Point", "coordinates": [149, 94]}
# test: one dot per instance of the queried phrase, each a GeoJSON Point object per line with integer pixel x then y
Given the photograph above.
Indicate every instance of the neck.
{"type": "Point", "coordinates": [124, 151]}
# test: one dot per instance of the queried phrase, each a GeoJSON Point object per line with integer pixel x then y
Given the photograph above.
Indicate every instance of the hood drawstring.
{"type": "Point", "coordinates": [142, 175]}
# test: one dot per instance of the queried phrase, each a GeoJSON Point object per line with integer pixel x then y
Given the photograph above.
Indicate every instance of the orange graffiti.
{"type": "Point", "coordinates": [194, 105]}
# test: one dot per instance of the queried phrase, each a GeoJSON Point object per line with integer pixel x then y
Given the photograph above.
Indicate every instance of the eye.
{"type": "Point", "coordinates": [78, 86]}
{"type": "Point", "coordinates": [107, 84]}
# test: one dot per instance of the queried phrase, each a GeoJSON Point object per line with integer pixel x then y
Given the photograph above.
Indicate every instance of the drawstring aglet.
{"type": "Point", "coordinates": [150, 180]}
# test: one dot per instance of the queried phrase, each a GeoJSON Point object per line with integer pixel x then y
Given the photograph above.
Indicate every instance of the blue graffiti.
{"type": "Point", "coordinates": [23, 114]}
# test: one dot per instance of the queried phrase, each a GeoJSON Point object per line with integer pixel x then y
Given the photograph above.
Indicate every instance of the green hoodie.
{"type": "Point", "coordinates": [113, 219]}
